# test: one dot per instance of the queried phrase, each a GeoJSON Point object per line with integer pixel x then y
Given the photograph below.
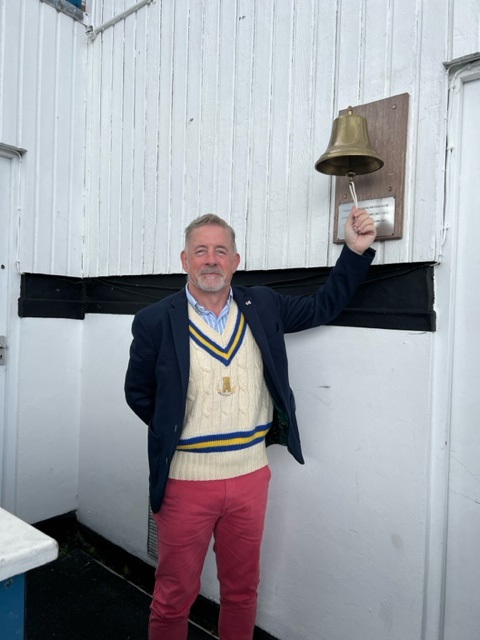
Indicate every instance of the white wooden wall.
{"type": "Point", "coordinates": [42, 111]}
{"type": "Point", "coordinates": [224, 106]}
{"type": "Point", "coordinates": [200, 105]}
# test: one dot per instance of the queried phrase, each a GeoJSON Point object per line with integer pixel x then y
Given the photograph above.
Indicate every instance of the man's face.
{"type": "Point", "coordinates": [210, 258]}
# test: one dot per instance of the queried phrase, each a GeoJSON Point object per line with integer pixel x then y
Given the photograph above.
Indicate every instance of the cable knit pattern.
{"type": "Point", "coordinates": [229, 409]}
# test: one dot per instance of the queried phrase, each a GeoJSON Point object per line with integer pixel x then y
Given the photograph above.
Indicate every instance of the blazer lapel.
{"type": "Point", "coordinates": [179, 324]}
{"type": "Point", "coordinates": [247, 307]}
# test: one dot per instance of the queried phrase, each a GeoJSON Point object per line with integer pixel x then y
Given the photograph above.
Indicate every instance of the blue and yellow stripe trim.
{"type": "Point", "coordinates": [219, 443]}
{"type": "Point", "coordinates": [224, 354]}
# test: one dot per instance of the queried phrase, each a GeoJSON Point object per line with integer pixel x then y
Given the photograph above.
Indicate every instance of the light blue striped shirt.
{"type": "Point", "coordinates": [215, 322]}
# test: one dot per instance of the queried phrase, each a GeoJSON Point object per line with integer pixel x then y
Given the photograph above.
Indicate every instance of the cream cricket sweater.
{"type": "Point", "coordinates": [229, 409]}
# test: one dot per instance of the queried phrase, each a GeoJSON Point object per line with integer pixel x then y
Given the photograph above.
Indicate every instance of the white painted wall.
{"type": "Point", "coordinates": [345, 535]}
{"type": "Point", "coordinates": [344, 546]}
{"type": "Point", "coordinates": [113, 494]}
{"type": "Point", "coordinates": [48, 417]}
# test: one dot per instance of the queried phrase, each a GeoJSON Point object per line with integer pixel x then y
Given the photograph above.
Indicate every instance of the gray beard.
{"type": "Point", "coordinates": [209, 287]}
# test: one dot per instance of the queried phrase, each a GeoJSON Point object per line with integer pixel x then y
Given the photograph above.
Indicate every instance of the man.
{"type": "Point", "coordinates": [208, 373]}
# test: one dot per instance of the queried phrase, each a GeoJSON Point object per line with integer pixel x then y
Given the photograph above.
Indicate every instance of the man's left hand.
{"type": "Point", "coordinates": [360, 231]}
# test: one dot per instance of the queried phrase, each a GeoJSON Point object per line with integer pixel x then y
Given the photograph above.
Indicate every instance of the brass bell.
{"type": "Point", "coordinates": [349, 151]}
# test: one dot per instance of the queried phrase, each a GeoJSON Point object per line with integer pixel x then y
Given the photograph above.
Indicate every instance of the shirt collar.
{"type": "Point", "coordinates": [201, 309]}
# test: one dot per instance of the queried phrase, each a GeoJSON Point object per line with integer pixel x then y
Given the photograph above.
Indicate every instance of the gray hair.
{"type": "Point", "coordinates": [209, 219]}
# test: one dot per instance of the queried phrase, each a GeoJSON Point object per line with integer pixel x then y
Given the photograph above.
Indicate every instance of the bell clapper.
{"type": "Point", "coordinates": [351, 186]}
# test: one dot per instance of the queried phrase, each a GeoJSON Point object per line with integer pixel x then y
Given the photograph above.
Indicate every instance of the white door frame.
{"type": "Point", "coordinates": [8, 448]}
{"type": "Point", "coordinates": [442, 366]}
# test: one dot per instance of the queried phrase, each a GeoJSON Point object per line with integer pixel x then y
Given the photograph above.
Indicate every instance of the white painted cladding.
{"type": "Point", "coordinates": [225, 107]}
{"type": "Point", "coordinates": [193, 106]}
{"type": "Point", "coordinates": [42, 111]}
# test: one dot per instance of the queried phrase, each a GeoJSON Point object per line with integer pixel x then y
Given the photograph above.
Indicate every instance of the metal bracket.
{"type": "Point", "coordinates": [3, 349]}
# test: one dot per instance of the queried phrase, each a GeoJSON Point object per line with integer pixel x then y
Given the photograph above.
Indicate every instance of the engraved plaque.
{"type": "Point", "coordinates": [382, 211]}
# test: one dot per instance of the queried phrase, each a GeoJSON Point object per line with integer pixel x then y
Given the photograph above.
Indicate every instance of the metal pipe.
{"type": "Point", "coordinates": [93, 33]}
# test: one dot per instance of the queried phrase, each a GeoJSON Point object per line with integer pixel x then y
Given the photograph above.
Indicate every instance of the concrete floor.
{"type": "Point", "coordinates": [77, 598]}
{"type": "Point", "coordinates": [97, 591]}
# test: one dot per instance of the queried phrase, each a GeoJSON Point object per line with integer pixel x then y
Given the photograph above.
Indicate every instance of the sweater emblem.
{"type": "Point", "coordinates": [226, 389]}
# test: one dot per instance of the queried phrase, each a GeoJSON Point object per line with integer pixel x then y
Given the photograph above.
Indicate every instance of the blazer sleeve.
{"type": "Point", "coordinates": [303, 312]}
{"type": "Point", "coordinates": [140, 377]}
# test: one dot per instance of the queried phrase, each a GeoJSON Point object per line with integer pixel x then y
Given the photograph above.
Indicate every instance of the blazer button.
{"type": "Point", "coordinates": [166, 461]}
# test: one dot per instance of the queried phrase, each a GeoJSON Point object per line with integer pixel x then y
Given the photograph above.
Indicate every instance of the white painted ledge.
{"type": "Point", "coordinates": [22, 547]}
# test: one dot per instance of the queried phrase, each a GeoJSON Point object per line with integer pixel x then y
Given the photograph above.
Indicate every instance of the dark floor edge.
{"type": "Point", "coordinates": [70, 533]}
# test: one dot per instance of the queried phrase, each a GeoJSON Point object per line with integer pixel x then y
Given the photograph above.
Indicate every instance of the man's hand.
{"type": "Point", "coordinates": [360, 231]}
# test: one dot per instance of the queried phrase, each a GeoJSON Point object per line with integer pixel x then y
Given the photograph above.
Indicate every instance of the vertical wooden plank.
{"type": "Point", "coordinates": [129, 261]}
{"type": "Point", "coordinates": [225, 108]}
{"type": "Point", "coordinates": [300, 170]}
{"type": "Point", "coordinates": [111, 8]}
{"type": "Point", "coordinates": [319, 216]}
{"type": "Point", "coordinates": [179, 119]}
{"type": "Point", "coordinates": [349, 65]}
{"type": "Point", "coordinates": [92, 167]}
{"type": "Point", "coordinates": [62, 126]}
{"type": "Point", "coordinates": [349, 54]}
{"type": "Point", "coordinates": [406, 29]}
{"type": "Point", "coordinates": [140, 230]}
{"type": "Point", "coordinates": [27, 132]}
{"type": "Point", "coordinates": [426, 157]}
{"type": "Point", "coordinates": [152, 76]}
{"type": "Point", "coordinates": [243, 132]}
{"type": "Point", "coordinates": [115, 210]}
{"type": "Point", "coordinates": [193, 120]}
{"type": "Point", "coordinates": [208, 131]}
{"type": "Point", "coordinates": [102, 250]}
{"type": "Point", "coordinates": [76, 160]}
{"type": "Point", "coordinates": [375, 79]}
{"type": "Point", "coordinates": [10, 56]}
{"type": "Point", "coordinates": [68, 183]}
{"type": "Point", "coordinates": [405, 39]}
{"type": "Point", "coordinates": [44, 124]}
{"type": "Point", "coordinates": [256, 232]}
{"type": "Point", "coordinates": [280, 135]}
{"type": "Point", "coordinates": [164, 139]}
{"type": "Point", "coordinates": [97, 10]}
{"type": "Point", "coordinates": [464, 31]}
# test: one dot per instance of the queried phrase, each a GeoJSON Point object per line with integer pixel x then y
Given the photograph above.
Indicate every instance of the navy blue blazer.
{"type": "Point", "coordinates": [158, 370]}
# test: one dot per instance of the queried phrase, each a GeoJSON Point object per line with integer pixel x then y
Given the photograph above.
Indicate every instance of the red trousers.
{"type": "Point", "coordinates": [233, 511]}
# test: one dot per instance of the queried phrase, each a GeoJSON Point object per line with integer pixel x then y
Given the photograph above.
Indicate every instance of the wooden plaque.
{"type": "Point", "coordinates": [387, 122]}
